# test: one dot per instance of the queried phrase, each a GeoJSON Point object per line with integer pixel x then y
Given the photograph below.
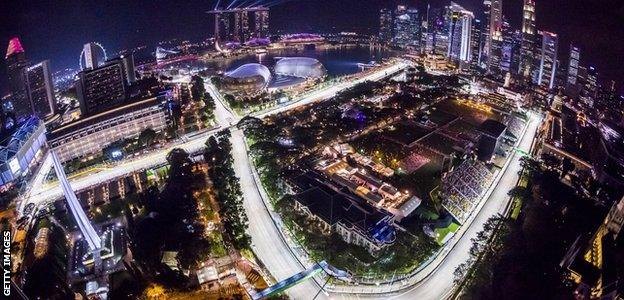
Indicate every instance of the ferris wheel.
{"type": "Point", "coordinates": [99, 47]}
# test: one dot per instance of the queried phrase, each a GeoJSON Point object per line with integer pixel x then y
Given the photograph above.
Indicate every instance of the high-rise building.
{"type": "Point", "coordinates": [573, 65]}
{"type": "Point", "coordinates": [261, 20]}
{"type": "Point", "coordinates": [548, 63]}
{"type": "Point", "coordinates": [496, 19]}
{"type": "Point", "coordinates": [40, 89]}
{"type": "Point", "coordinates": [406, 27]}
{"type": "Point", "coordinates": [478, 42]}
{"type": "Point", "coordinates": [91, 55]}
{"type": "Point", "coordinates": [460, 26]}
{"type": "Point", "coordinates": [101, 88]}
{"type": "Point", "coordinates": [16, 64]}
{"type": "Point", "coordinates": [437, 42]}
{"type": "Point", "coordinates": [495, 35]}
{"type": "Point", "coordinates": [510, 58]}
{"type": "Point", "coordinates": [385, 25]}
{"type": "Point", "coordinates": [128, 64]}
{"type": "Point", "coordinates": [589, 90]}
{"type": "Point", "coordinates": [528, 48]}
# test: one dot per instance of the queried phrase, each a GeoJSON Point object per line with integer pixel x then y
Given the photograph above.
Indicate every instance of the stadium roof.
{"type": "Point", "coordinates": [251, 70]}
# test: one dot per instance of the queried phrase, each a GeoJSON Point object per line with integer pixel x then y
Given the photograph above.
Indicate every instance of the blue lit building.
{"type": "Point", "coordinates": [20, 148]}
{"type": "Point", "coordinates": [460, 29]}
{"type": "Point", "coordinates": [548, 63]}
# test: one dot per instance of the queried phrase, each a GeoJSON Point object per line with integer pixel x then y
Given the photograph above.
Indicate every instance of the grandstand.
{"type": "Point", "coordinates": [463, 188]}
{"type": "Point", "coordinates": [413, 162]}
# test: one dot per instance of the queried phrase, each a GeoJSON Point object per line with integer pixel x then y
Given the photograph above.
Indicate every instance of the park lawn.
{"type": "Point", "coordinates": [441, 233]}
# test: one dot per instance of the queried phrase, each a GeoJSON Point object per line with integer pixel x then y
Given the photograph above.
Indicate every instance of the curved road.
{"type": "Point", "coordinates": [268, 242]}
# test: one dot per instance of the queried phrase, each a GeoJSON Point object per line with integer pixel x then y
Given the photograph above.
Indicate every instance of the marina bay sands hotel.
{"type": "Point", "coordinates": [240, 25]}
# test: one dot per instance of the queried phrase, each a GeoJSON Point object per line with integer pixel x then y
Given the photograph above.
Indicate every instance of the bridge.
{"type": "Point", "coordinates": [300, 277]}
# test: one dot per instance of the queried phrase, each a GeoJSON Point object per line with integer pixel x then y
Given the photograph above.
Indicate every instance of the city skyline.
{"type": "Point", "coordinates": [61, 41]}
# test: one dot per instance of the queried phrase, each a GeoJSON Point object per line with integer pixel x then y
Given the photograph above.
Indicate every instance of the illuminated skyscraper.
{"type": "Point", "coordinates": [261, 28]}
{"type": "Point", "coordinates": [460, 26]}
{"type": "Point", "coordinates": [385, 25]}
{"type": "Point", "coordinates": [494, 12]}
{"type": "Point", "coordinates": [40, 89]}
{"type": "Point", "coordinates": [573, 65]}
{"type": "Point", "coordinates": [478, 42]}
{"type": "Point", "coordinates": [528, 49]}
{"type": "Point", "coordinates": [496, 19]}
{"type": "Point", "coordinates": [548, 63]}
{"type": "Point", "coordinates": [406, 27]}
{"type": "Point", "coordinates": [16, 65]}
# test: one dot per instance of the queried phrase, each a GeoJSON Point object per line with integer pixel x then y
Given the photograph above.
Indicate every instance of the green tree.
{"type": "Point", "coordinates": [147, 137]}
{"type": "Point", "coordinates": [198, 90]}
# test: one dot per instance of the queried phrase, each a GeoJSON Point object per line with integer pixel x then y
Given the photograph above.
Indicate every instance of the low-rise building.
{"type": "Point", "coordinates": [355, 221]}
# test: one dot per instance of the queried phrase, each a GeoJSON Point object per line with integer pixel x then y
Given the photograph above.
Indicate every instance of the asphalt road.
{"type": "Point", "coordinates": [266, 238]}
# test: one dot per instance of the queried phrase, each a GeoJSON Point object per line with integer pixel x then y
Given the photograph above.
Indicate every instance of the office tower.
{"type": "Point", "coordinates": [460, 27]}
{"type": "Point", "coordinates": [16, 64]}
{"type": "Point", "coordinates": [510, 52]}
{"type": "Point", "coordinates": [437, 41]}
{"type": "Point", "coordinates": [385, 25]}
{"type": "Point", "coordinates": [128, 64]}
{"type": "Point", "coordinates": [261, 22]}
{"type": "Point", "coordinates": [91, 55]}
{"type": "Point", "coordinates": [590, 87]}
{"type": "Point", "coordinates": [573, 65]}
{"type": "Point", "coordinates": [101, 88]}
{"type": "Point", "coordinates": [548, 63]}
{"type": "Point", "coordinates": [406, 27]}
{"type": "Point", "coordinates": [478, 42]}
{"type": "Point", "coordinates": [528, 48]}
{"type": "Point", "coordinates": [40, 89]}
{"type": "Point", "coordinates": [496, 19]}
{"type": "Point", "coordinates": [494, 11]}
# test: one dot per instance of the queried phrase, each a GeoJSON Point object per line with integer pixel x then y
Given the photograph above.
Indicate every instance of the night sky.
{"type": "Point", "coordinates": [56, 30]}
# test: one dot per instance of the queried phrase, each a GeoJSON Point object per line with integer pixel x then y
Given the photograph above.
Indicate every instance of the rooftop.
{"type": "Point", "coordinates": [492, 128]}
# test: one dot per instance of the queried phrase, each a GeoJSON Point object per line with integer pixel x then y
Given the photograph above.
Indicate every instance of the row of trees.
{"type": "Point", "coordinates": [199, 94]}
{"type": "Point", "coordinates": [218, 155]}
{"type": "Point", "coordinates": [172, 222]}
{"type": "Point", "coordinates": [519, 259]}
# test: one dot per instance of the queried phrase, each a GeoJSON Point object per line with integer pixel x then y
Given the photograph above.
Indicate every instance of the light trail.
{"type": "Point", "coordinates": [231, 3]}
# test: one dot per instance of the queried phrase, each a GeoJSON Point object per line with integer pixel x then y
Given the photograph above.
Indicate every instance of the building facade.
{"type": "Point", "coordinates": [548, 63]}
{"type": "Point", "coordinates": [87, 136]}
{"type": "Point", "coordinates": [41, 89]}
{"type": "Point", "coordinates": [460, 35]}
{"type": "Point", "coordinates": [101, 88]}
{"type": "Point", "coordinates": [91, 55]}
{"type": "Point", "coordinates": [16, 64]}
{"type": "Point", "coordinates": [528, 48]}
{"type": "Point", "coordinates": [406, 27]}
{"type": "Point", "coordinates": [385, 25]}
